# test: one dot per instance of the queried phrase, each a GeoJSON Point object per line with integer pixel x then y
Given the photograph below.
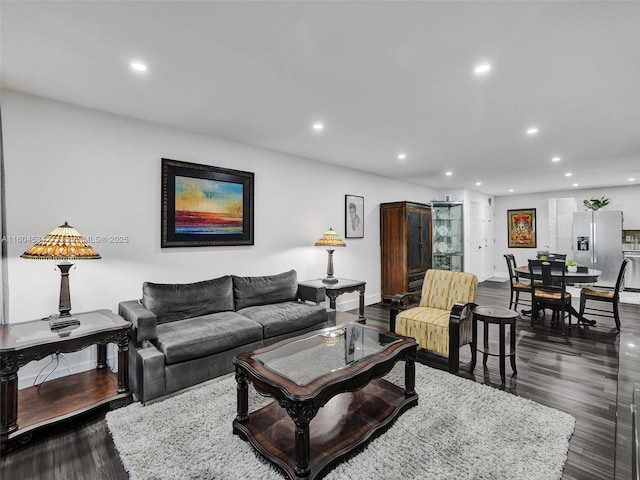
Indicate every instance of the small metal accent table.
{"type": "Point", "coordinates": [334, 290]}
{"type": "Point", "coordinates": [64, 397]}
{"type": "Point", "coordinates": [500, 316]}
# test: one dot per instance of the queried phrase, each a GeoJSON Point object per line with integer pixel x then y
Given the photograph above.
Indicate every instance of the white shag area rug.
{"type": "Point", "coordinates": [459, 430]}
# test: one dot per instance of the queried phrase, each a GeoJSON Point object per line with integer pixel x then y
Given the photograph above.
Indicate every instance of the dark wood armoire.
{"type": "Point", "coordinates": [405, 246]}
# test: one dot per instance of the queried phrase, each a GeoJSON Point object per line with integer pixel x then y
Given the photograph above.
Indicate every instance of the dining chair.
{"type": "Point", "coordinates": [551, 293]}
{"type": "Point", "coordinates": [517, 286]}
{"type": "Point", "coordinates": [608, 296]}
{"type": "Point", "coordinates": [551, 256]}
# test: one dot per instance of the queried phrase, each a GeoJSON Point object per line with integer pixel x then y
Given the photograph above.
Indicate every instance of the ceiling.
{"type": "Point", "coordinates": [383, 77]}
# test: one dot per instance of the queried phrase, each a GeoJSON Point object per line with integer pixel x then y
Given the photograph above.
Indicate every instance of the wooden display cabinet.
{"type": "Point", "coordinates": [405, 243]}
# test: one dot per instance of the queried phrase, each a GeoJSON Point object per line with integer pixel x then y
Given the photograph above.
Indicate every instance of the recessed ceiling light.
{"type": "Point", "coordinates": [478, 184]}
{"type": "Point", "coordinates": [138, 67]}
{"type": "Point", "coordinates": [555, 159]}
{"type": "Point", "coordinates": [318, 126]}
{"type": "Point", "coordinates": [532, 130]}
{"type": "Point", "coordinates": [482, 69]}
{"type": "Point", "coordinates": [568, 174]}
{"type": "Point", "coordinates": [448, 174]}
{"type": "Point", "coordinates": [402, 156]}
{"type": "Point", "coordinates": [511, 190]}
{"type": "Point", "coordinates": [631, 179]}
{"type": "Point", "coordinates": [576, 184]}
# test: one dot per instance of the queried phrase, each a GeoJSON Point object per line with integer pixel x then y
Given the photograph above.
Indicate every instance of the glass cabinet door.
{"type": "Point", "coordinates": [448, 246]}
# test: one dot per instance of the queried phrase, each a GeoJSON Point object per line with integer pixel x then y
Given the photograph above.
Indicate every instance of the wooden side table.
{"type": "Point", "coordinates": [304, 385]}
{"type": "Point", "coordinates": [334, 290]}
{"type": "Point", "coordinates": [500, 316]}
{"type": "Point", "coordinates": [21, 412]}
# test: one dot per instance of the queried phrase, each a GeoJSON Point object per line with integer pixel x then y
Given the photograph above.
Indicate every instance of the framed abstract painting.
{"type": "Point", "coordinates": [522, 228]}
{"type": "Point", "coordinates": [205, 206]}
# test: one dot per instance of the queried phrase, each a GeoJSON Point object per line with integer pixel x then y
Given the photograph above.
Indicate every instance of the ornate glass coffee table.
{"type": "Point", "coordinates": [329, 397]}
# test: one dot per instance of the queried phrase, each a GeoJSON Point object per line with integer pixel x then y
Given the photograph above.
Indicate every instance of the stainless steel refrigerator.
{"type": "Point", "coordinates": [597, 242]}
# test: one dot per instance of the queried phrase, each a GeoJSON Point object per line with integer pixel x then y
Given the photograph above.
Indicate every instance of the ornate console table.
{"type": "Point", "coordinates": [21, 412]}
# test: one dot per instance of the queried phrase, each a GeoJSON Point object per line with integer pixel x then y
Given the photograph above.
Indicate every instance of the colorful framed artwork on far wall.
{"type": "Point", "coordinates": [205, 206]}
{"type": "Point", "coordinates": [353, 216]}
{"type": "Point", "coordinates": [522, 228]}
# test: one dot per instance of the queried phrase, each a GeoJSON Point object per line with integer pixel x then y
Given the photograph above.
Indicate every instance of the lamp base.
{"type": "Point", "coordinates": [58, 321]}
{"type": "Point", "coordinates": [330, 280]}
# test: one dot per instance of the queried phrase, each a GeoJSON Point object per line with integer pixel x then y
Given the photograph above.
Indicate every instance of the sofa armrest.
{"type": "Point", "coordinates": [399, 302]}
{"type": "Point", "coordinates": [144, 321]}
{"type": "Point", "coordinates": [311, 293]}
{"type": "Point", "coordinates": [460, 324]}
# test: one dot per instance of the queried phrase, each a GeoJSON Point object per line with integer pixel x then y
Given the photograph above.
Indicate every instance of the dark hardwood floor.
{"type": "Point", "coordinates": [576, 373]}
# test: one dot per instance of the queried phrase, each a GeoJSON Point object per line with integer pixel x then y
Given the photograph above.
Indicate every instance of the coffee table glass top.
{"type": "Point", "coordinates": [305, 360]}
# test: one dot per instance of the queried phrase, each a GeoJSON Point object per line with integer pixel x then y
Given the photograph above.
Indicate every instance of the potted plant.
{"type": "Point", "coordinates": [595, 203]}
{"type": "Point", "coordinates": [572, 266]}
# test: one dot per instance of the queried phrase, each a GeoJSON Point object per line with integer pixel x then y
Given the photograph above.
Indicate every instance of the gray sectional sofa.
{"type": "Point", "coordinates": [184, 334]}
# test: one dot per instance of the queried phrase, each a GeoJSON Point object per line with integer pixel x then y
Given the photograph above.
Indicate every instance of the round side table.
{"type": "Point", "coordinates": [500, 316]}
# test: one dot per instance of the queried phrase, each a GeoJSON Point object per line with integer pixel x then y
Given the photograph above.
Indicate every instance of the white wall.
{"type": "Point", "coordinates": [625, 198]}
{"type": "Point", "coordinates": [101, 173]}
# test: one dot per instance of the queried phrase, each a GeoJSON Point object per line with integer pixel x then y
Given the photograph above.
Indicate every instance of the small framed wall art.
{"type": "Point", "coordinates": [522, 228]}
{"type": "Point", "coordinates": [205, 206]}
{"type": "Point", "coordinates": [353, 216]}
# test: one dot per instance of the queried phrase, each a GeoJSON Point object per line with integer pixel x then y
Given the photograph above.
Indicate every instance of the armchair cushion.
{"type": "Point", "coordinates": [429, 326]}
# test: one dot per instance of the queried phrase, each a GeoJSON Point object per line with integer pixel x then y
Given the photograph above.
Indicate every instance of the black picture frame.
{"type": "Point", "coordinates": [205, 206]}
{"type": "Point", "coordinates": [353, 216]}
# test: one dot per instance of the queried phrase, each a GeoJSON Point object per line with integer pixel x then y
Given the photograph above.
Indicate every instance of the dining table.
{"type": "Point", "coordinates": [590, 276]}
{"type": "Point", "coordinates": [570, 278]}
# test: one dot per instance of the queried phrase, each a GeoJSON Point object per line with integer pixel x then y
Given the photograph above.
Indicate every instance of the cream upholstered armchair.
{"type": "Point", "coordinates": [442, 322]}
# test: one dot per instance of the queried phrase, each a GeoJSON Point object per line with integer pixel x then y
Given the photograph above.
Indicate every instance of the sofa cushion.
{"type": "Point", "coordinates": [250, 291]}
{"type": "Point", "coordinates": [176, 301]}
{"type": "Point", "coordinates": [286, 317]}
{"type": "Point", "coordinates": [197, 337]}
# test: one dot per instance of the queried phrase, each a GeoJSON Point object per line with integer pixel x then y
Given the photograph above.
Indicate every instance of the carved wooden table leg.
{"type": "Point", "coordinates": [8, 395]}
{"type": "Point", "coordinates": [123, 361]}
{"type": "Point", "coordinates": [410, 373]}
{"type": "Point", "coordinates": [303, 450]}
{"type": "Point", "coordinates": [333, 294]}
{"type": "Point", "coordinates": [242, 396]}
{"type": "Point", "coordinates": [361, 318]}
{"type": "Point", "coordinates": [301, 414]}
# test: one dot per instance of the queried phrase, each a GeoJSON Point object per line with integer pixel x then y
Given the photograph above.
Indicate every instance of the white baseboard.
{"type": "Point", "coordinates": [352, 301]}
